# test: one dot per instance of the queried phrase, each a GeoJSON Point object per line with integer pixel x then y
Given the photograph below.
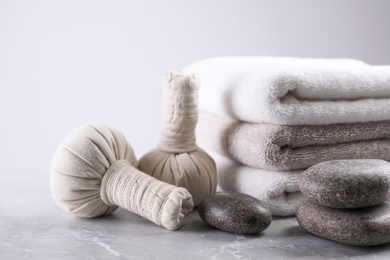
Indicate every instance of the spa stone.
{"type": "Point", "coordinates": [235, 212]}
{"type": "Point", "coordinates": [347, 183]}
{"type": "Point", "coordinates": [361, 226]}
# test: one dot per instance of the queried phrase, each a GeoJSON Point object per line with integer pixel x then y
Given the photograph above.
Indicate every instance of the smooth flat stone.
{"type": "Point", "coordinates": [347, 183]}
{"type": "Point", "coordinates": [235, 212]}
{"type": "Point", "coordinates": [361, 226]}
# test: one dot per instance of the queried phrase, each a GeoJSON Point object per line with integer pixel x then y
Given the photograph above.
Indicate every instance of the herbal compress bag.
{"type": "Point", "coordinates": [94, 171]}
{"type": "Point", "coordinates": [177, 159]}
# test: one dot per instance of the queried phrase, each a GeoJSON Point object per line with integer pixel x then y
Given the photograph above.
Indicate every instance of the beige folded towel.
{"type": "Point", "coordinates": [283, 147]}
{"type": "Point", "coordinates": [280, 190]}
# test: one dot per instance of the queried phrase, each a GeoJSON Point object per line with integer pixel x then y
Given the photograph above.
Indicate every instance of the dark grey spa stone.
{"type": "Point", "coordinates": [347, 183]}
{"type": "Point", "coordinates": [235, 212]}
{"type": "Point", "coordinates": [361, 226]}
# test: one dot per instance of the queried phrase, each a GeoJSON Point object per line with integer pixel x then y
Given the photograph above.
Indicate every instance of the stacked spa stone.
{"type": "Point", "coordinates": [346, 201]}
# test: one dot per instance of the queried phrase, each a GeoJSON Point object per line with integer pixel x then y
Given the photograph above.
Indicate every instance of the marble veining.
{"type": "Point", "coordinates": [32, 226]}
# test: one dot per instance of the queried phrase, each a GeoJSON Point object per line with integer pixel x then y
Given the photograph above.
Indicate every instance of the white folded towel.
{"type": "Point", "coordinates": [293, 90]}
{"type": "Point", "coordinates": [280, 190]}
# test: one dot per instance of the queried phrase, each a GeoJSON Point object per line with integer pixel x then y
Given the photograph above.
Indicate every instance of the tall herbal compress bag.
{"type": "Point", "coordinates": [177, 159]}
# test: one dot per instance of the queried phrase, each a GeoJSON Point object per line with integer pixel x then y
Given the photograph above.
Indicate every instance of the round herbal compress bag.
{"type": "Point", "coordinates": [94, 171]}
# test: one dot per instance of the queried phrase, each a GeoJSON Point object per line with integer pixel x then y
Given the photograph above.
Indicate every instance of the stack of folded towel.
{"type": "Point", "coordinates": [266, 119]}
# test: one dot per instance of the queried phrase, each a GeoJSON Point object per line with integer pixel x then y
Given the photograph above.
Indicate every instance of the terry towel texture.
{"type": "Point", "coordinates": [284, 147]}
{"type": "Point", "coordinates": [265, 117]}
{"type": "Point", "coordinates": [293, 91]}
{"type": "Point", "coordinates": [280, 190]}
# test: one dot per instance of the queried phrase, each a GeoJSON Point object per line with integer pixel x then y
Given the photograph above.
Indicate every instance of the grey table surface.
{"type": "Point", "coordinates": [32, 226]}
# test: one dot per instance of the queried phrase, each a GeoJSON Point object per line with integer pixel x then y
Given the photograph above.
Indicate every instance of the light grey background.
{"type": "Point", "coordinates": [69, 63]}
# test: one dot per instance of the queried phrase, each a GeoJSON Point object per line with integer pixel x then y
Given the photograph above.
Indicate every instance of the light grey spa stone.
{"type": "Point", "coordinates": [361, 226]}
{"type": "Point", "coordinates": [235, 212]}
{"type": "Point", "coordinates": [347, 183]}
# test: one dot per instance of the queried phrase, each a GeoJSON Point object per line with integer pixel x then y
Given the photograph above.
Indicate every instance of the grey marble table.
{"type": "Point", "coordinates": [33, 227]}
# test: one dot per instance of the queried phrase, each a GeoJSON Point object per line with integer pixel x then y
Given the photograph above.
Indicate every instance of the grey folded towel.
{"type": "Point", "coordinates": [286, 147]}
